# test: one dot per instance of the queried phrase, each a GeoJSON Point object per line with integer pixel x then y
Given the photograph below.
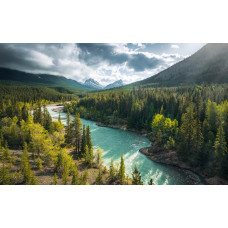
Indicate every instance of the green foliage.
{"type": "Point", "coordinates": [112, 174]}
{"type": "Point", "coordinates": [84, 178]}
{"type": "Point", "coordinates": [151, 182]}
{"type": "Point", "coordinates": [98, 157]}
{"type": "Point", "coordinates": [170, 144]}
{"type": "Point", "coordinates": [39, 164]}
{"type": "Point", "coordinates": [55, 179]}
{"type": "Point", "coordinates": [88, 156]}
{"type": "Point", "coordinates": [75, 179]}
{"type": "Point", "coordinates": [99, 180]}
{"type": "Point", "coordinates": [121, 172]}
{"type": "Point", "coordinates": [136, 176]}
{"type": "Point", "coordinates": [77, 134]}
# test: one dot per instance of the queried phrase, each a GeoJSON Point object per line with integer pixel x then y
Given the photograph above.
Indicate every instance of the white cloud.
{"type": "Point", "coordinates": [175, 46]}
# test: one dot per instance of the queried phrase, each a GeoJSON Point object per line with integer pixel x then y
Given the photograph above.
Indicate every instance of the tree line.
{"type": "Point", "coordinates": [46, 147]}
{"type": "Point", "coordinates": [191, 120]}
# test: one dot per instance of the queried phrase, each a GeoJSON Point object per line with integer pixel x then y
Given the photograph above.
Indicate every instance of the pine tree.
{"type": "Point", "coordinates": [83, 144]}
{"type": "Point", "coordinates": [220, 146]}
{"type": "Point", "coordinates": [99, 180]}
{"type": "Point", "coordinates": [84, 177]}
{"type": "Point", "coordinates": [186, 133]}
{"type": "Point", "coordinates": [137, 179]}
{"type": "Point", "coordinates": [6, 154]}
{"type": "Point", "coordinates": [98, 157]}
{"type": "Point", "coordinates": [28, 175]}
{"type": "Point", "coordinates": [65, 176]}
{"type": "Point", "coordinates": [5, 177]}
{"type": "Point", "coordinates": [88, 155]}
{"type": "Point", "coordinates": [77, 135]}
{"type": "Point", "coordinates": [88, 138]}
{"type": "Point", "coordinates": [75, 176]}
{"type": "Point", "coordinates": [39, 164]}
{"type": "Point", "coordinates": [55, 179]}
{"type": "Point", "coordinates": [112, 171]}
{"type": "Point", "coordinates": [59, 118]}
{"type": "Point", "coordinates": [151, 182]}
{"type": "Point", "coordinates": [47, 120]}
{"type": "Point", "coordinates": [69, 133]}
{"type": "Point", "coordinates": [122, 171]}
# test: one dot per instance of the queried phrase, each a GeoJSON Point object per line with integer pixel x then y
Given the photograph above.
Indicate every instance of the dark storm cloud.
{"type": "Point", "coordinates": [140, 62]}
{"type": "Point", "coordinates": [93, 54]}
{"type": "Point", "coordinates": [23, 57]}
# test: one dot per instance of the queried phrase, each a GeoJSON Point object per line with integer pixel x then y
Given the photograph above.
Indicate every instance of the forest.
{"type": "Point", "coordinates": [193, 121]}
{"type": "Point", "coordinates": [34, 149]}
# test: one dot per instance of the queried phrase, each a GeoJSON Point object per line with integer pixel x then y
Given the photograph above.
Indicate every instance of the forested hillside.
{"type": "Point", "coordinates": [191, 120]}
{"type": "Point", "coordinates": [19, 78]}
{"type": "Point", "coordinates": [208, 65]}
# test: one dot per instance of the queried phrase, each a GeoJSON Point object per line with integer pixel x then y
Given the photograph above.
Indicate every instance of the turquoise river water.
{"type": "Point", "coordinates": [115, 141]}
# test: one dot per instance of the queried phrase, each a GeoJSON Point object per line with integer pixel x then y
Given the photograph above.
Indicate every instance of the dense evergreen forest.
{"type": "Point", "coordinates": [190, 120]}
{"type": "Point", "coordinates": [34, 149]}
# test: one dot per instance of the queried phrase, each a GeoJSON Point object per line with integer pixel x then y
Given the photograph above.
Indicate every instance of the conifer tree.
{"type": "Point", "coordinates": [65, 176]}
{"type": "Point", "coordinates": [75, 176]}
{"type": "Point", "coordinates": [88, 155]}
{"type": "Point", "coordinates": [39, 164]}
{"type": "Point", "coordinates": [77, 134]}
{"type": "Point", "coordinates": [69, 133]}
{"type": "Point", "coordinates": [111, 171]}
{"type": "Point", "coordinates": [151, 182]}
{"type": "Point", "coordinates": [84, 177]}
{"type": "Point", "coordinates": [122, 171]}
{"type": "Point", "coordinates": [59, 118]}
{"type": "Point", "coordinates": [88, 138]}
{"type": "Point", "coordinates": [137, 179]}
{"type": "Point", "coordinates": [28, 175]}
{"type": "Point", "coordinates": [99, 180]}
{"type": "Point", "coordinates": [220, 146]}
{"type": "Point", "coordinates": [83, 144]}
{"type": "Point", "coordinates": [55, 179]}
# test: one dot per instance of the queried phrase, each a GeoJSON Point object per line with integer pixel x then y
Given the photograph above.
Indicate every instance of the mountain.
{"type": "Point", "coordinates": [15, 77]}
{"type": "Point", "coordinates": [208, 65]}
{"type": "Point", "coordinates": [114, 84]}
{"type": "Point", "coordinates": [91, 83]}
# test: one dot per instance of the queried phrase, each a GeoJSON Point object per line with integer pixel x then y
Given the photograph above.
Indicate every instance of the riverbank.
{"type": "Point", "coordinates": [121, 127]}
{"type": "Point", "coordinates": [159, 155]}
{"type": "Point", "coordinates": [169, 157]}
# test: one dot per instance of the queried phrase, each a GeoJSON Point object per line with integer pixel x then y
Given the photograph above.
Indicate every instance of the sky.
{"type": "Point", "coordinates": [103, 62]}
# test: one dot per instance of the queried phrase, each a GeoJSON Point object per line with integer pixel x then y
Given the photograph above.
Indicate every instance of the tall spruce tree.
{"type": "Point", "coordinates": [83, 144]}
{"type": "Point", "coordinates": [99, 180]}
{"type": "Point", "coordinates": [77, 134]}
{"type": "Point", "coordinates": [111, 171]}
{"type": "Point", "coordinates": [75, 180]}
{"type": "Point", "coordinates": [69, 133]}
{"type": "Point", "coordinates": [136, 176]}
{"type": "Point", "coordinates": [122, 171]}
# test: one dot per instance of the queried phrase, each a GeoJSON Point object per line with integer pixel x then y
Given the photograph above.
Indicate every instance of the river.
{"type": "Point", "coordinates": [116, 141]}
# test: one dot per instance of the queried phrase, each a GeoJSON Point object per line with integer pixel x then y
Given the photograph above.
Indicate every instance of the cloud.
{"type": "Point", "coordinates": [105, 63]}
{"type": "Point", "coordinates": [175, 46]}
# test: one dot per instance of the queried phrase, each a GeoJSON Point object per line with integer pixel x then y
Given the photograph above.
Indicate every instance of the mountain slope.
{"type": "Point", "coordinates": [209, 65]}
{"type": "Point", "coordinates": [91, 83]}
{"type": "Point", "coordinates": [15, 77]}
{"type": "Point", "coordinates": [114, 84]}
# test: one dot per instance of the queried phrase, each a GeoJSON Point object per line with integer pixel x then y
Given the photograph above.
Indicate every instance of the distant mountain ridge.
{"type": "Point", "coordinates": [15, 77]}
{"type": "Point", "coordinates": [208, 65]}
{"type": "Point", "coordinates": [114, 84]}
{"type": "Point", "coordinates": [91, 83]}
{"type": "Point", "coordinates": [96, 85]}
